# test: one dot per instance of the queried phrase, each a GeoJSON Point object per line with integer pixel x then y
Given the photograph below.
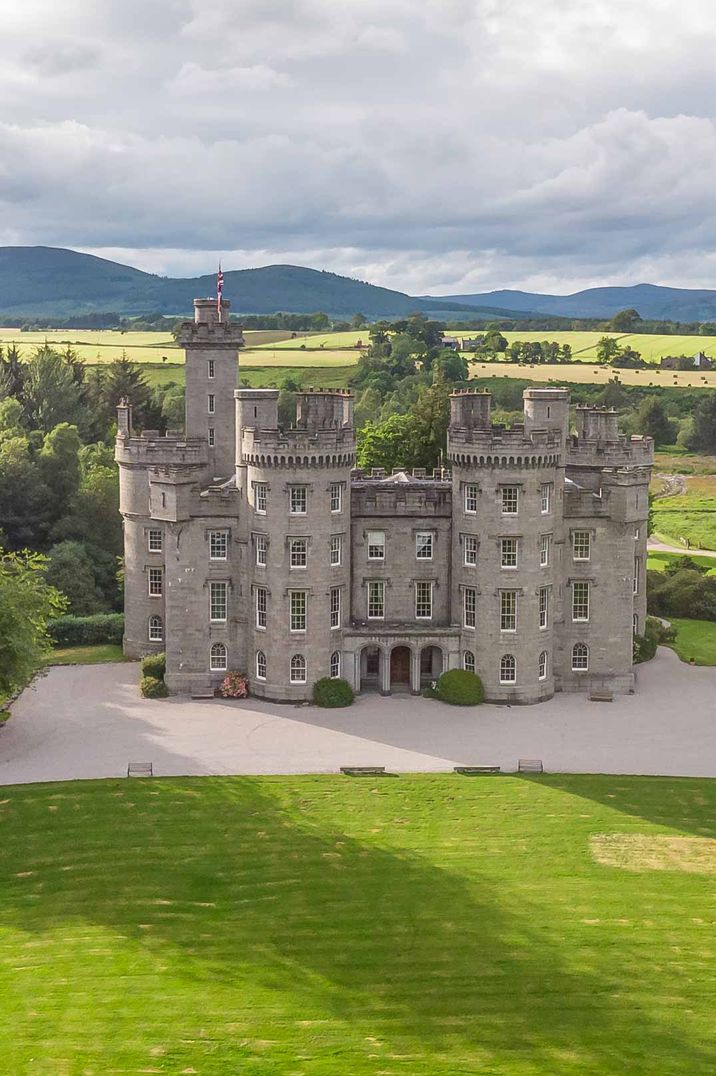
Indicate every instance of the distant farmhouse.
{"type": "Point", "coordinates": [257, 547]}
{"type": "Point", "coordinates": [464, 343]}
{"type": "Point", "coordinates": [699, 361]}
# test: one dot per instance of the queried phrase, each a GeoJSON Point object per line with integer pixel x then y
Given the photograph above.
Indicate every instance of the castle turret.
{"type": "Point", "coordinates": [211, 342]}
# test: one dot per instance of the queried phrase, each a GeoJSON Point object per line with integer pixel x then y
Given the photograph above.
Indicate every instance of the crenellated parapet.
{"type": "Point", "coordinates": [209, 330]}
{"type": "Point", "coordinates": [498, 446]}
{"type": "Point", "coordinates": [298, 448]}
{"type": "Point", "coordinates": [621, 451]}
{"type": "Point", "coordinates": [153, 450]}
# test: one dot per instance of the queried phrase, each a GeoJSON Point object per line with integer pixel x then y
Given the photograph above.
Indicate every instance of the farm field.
{"type": "Point", "coordinates": [689, 514]}
{"type": "Point", "coordinates": [651, 348]}
{"type": "Point", "coordinates": [96, 346]}
{"type": "Point", "coordinates": [427, 925]}
{"type": "Point", "coordinates": [587, 373]}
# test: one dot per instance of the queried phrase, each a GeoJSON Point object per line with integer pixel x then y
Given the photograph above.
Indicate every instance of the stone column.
{"type": "Point", "coordinates": [415, 671]}
{"type": "Point", "coordinates": [385, 670]}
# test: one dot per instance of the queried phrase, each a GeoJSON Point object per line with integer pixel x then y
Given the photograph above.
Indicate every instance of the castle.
{"type": "Point", "coordinates": [260, 549]}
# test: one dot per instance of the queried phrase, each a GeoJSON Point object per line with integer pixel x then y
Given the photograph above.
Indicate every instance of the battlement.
{"type": "Point", "coordinates": [500, 446]}
{"type": "Point", "coordinates": [152, 450]}
{"type": "Point", "coordinates": [419, 474]}
{"type": "Point", "coordinates": [208, 330]}
{"type": "Point", "coordinates": [298, 447]}
{"type": "Point", "coordinates": [423, 499]}
{"type": "Point", "coordinates": [621, 451]}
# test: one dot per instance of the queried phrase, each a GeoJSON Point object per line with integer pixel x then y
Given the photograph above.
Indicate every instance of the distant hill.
{"type": "Point", "coordinates": [652, 301]}
{"type": "Point", "coordinates": [51, 281]}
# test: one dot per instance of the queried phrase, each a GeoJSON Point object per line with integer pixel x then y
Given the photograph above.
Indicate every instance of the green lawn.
{"type": "Point", "coordinates": [86, 655]}
{"type": "Point", "coordinates": [659, 562]}
{"type": "Point", "coordinates": [423, 926]}
{"type": "Point", "coordinates": [695, 639]}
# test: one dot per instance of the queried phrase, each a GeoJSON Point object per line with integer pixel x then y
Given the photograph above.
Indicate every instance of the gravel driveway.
{"type": "Point", "coordinates": [89, 721]}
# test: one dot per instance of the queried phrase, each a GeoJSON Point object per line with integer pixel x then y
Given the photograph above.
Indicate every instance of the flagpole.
{"type": "Point", "coordinates": [219, 290]}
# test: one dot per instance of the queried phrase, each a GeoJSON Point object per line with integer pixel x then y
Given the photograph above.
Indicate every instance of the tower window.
{"type": "Point", "coordinates": [217, 601]}
{"type": "Point", "coordinates": [260, 665]}
{"type": "Point", "coordinates": [154, 541]}
{"type": "Point", "coordinates": [261, 608]}
{"type": "Point", "coordinates": [210, 368]}
{"type": "Point", "coordinates": [218, 545]}
{"type": "Point", "coordinates": [376, 600]}
{"type": "Point", "coordinates": [508, 669]}
{"type": "Point", "coordinates": [211, 403]}
{"type": "Point", "coordinates": [510, 500]}
{"type": "Point", "coordinates": [217, 657]}
{"type": "Point", "coordinates": [298, 669]}
{"type": "Point", "coordinates": [580, 657]}
{"type": "Point", "coordinates": [298, 610]}
{"type": "Point", "coordinates": [469, 607]}
{"type": "Point", "coordinates": [580, 601]}
{"type": "Point", "coordinates": [298, 500]}
{"type": "Point", "coordinates": [212, 437]}
{"type": "Point", "coordinates": [156, 580]}
{"type": "Point", "coordinates": [156, 629]}
{"type": "Point", "coordinates": [470, 546]}
{"type": "Point", "coordinates": [335, 607]}
{"type": "Point", "coordinates": [508, 610]}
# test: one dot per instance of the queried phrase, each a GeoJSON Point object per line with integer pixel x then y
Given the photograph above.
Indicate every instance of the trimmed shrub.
{"type": "Point", "coordinates": [152, 688]}
{"type": "Point", "coordinates": [460, 688]}
{"type": "Point", "coordinates": [655, 633]}
{"type": "Point", "coordinates": [330, 692]}
{"type": "Point", "coordinates": [154, 665]}
{"type": "Point", "coordinates": [87, 630]}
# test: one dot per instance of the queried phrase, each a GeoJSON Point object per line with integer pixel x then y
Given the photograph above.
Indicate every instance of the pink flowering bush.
{"type": "Point", "coordinates": [234, 686]}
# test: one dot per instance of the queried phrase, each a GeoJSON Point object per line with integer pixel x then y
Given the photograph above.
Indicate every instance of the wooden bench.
{"type": "Point", "coordinates": [530, 765]}
{"type": "Point", "coordinates": [202, 695]}
{"type": "Point", "coordinates": [476, 771]}
{"type": "Point", "coordinates": [363, 771]}
{"type": "Point", "coordinates": [601, 696]}
{"type": "Point", "coordinates": [140, 769]}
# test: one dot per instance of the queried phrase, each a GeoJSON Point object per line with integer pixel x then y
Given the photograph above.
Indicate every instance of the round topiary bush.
{"type": "Point", "coordinates": [460, 688]}
{"type": "Point", "coordinates": [154, 665]}
{"type": "Point", "coordinates": [152, 688]}
{"type": "Point", "coordinates": [332, 692]}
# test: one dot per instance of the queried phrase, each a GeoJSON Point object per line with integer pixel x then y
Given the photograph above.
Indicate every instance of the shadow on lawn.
{"type": "Point", "coordinates": [684, 803]}
{"type": "Point", "coordinates": [381, 939]}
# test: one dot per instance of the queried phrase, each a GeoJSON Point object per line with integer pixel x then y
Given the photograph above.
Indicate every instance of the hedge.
{"type": "Point", "coordinates": [87, 630]}
{"type": "Point", "coordinates": [154, 665]}
{"type": "Point", "coordinates": [460, 688]}
{"type": "Point", "coordinates": [151, 688]}
{"type": "Point", "coordinates": [330, 692]}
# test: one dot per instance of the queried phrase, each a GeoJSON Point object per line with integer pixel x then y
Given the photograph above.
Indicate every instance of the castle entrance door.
{"type": "Point", "coordinates": [400, 667]}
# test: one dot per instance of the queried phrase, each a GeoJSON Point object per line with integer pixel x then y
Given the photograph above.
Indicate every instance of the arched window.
{"type": "Point", "coordinates": [542, 666]}
{"type": "Point", "coordinates": [260, 665]}
{"type": "Point", "coordinates": [580, 657]}
{"type": "Point", "coordinates": [298, 669]}
{"type": "Point", "coordinates": [156, 629]}
{"type": "Point", "coordinates": [217, 657]}
{"type": "Point", "coordinates": [468, 661]}
{"type": "Point", "coordinates": [335, 664]}
{"type": "Point", "coordinates": [508, 669]}
{"type": "Point", "coordinates": [635, 623]}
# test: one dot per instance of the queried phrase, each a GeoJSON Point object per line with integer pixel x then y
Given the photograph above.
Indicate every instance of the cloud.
{"type": "Point", "coordinates": [452, 145]}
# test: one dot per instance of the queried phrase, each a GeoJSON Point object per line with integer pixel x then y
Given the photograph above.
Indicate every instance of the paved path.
{"type": "Point", "coordinates": [655, 546]}
{"type": "Point", "coordinates": [89, 721]}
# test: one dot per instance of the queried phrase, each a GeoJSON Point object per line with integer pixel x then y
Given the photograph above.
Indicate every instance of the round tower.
{"type": "Point", "coordinates": [296, 485]}
{"type": "Point", "coordinates": [507, 498]}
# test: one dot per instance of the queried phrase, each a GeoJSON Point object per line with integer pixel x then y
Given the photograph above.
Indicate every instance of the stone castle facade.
{"type": "Point", "coordinates": [264, 550]}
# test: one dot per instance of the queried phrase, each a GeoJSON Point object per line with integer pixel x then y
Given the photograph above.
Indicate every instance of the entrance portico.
{"type": "Point", "coordinates": [393, 663]}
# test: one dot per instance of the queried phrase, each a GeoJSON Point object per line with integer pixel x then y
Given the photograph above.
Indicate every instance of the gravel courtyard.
{"type": "Point", "coordinates": [89, 721]}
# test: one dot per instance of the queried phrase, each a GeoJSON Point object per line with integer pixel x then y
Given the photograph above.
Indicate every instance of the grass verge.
{"type": "Point", "coordinates": [86, 655]}
{"type": "Point", "coordinates": [431, 925]}
{"type": "Point", "coordinates": [695, 639]}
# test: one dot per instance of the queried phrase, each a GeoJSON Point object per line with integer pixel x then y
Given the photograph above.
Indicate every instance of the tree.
{"type": "Point", "coordinates": [626, 321]}
{"type": "Point", "coordinates": [450, 366]}
{"type": "Point", "coordinates": [607, 349]}
{"type": "Point", "coordinates": [51, 394]}
{"type": "Point", "coordinates": [494, 341]}
{"type": "Point", "coordinates": [27, 602]}
{"type": "Point", "coordinates": [652, 420]}
{"type": "Point", "coordinates": [24, 497]}
{"type": "Point", "coordinates": [71, 571]}
{"type": "Point", "coordinates": [386, 444]}
{"type": "Point", "coordinates": [431, 415]}
{"type": "Point", "coordinates": [367, 406]}
{"type": "Point", "coordinates": [703, 436]}
{"type": "Point", "coordinates": [358, 321]}
{"type": "Point", "coordinates": [59, 467]}
{"type": "Point", "coordinates": [125, 380]}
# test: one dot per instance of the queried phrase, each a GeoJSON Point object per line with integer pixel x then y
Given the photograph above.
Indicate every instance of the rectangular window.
{"type": "Point", "coordinates": [508, 610]}
{"type": "Point", "coordinates": [261, 550]}
{"type": "Point", "coordinates": [298, 500]}
{"type": "Point", "coordinates": [298, 610]}
{"type": "Point", "coordinates": [156, 580]}
{"type": "Point", "coordinates": [636, 575]}
{"type": "Point", "coordinates": [581, 545]}
{"type": "Point", "coordinates": [376, 600]}
{"type": "Point", "coordinates": [470, 541]}
{"type": "Point", "coordinates": [335, 607]}
{"type": "Point", "coordinates": [211, 437]}
{"type": "Point", "coordinates": [261, 607]}
{"type": "Point", "coordinates": [260, 496]}
{"type": "Point", "coordinates": [510, 500]}
{"type": "Point", "coordinates": [211, 403]}
{"type": "Point", "coordinates": [299, 552]}
{"type": "Point", "coordinates": [544, 607]}
{"type": "Point", "coordinates": [544, 544]}
{"type": "Point", "coordinates": [218, 545]}
{"type": "Point", "coordinates": [580, 601]}
{"type": "Point", "coordinates": [469, 607]}
{"type": "Point", "coordinates": [423, 601]}
{"type": "Point", "coordinates": [155, 629]}
{"type": "Point", "coordinates": [508, 552]}
{"type": "Point", "coordinates": [471, 492]}
{"type": "Point", "coordinates": [217, 601]}
{"type": "Point", "coordinates": [424, 545]}
{"type": "Point", "coordinates": [336, 550]}
{"type": "Point", "coordinates": [154, 541]}
{"type": "Point", "coordinates": [376, 545]}
{"type": "Point", "coordinates": [336, 496]}
{"type": "Point", "coordinates": [545, 496]}
{"type": "Point", "coordinates": [210, 368]}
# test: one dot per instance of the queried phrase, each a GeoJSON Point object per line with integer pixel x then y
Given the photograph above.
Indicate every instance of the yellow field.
{"type": "Point", "coordinates": [313, 341]}
{"type": "Point", "coordinates": [587, 373]}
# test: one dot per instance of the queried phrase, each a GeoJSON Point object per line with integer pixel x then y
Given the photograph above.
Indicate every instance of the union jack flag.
{"type": "Point", "coordinates": [219, 289]}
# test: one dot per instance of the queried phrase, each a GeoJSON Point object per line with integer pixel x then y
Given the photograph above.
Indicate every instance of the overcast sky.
{"type": "Point", "coordinates": [427, 145]}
